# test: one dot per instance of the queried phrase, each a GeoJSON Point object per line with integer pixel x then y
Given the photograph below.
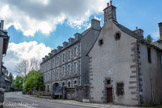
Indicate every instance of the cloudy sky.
{"type": "Point", "coordinates": [37, 26]}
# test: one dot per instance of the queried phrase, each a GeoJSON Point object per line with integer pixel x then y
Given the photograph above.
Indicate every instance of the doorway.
{"type": "Point", "coordinates": [109, 95]}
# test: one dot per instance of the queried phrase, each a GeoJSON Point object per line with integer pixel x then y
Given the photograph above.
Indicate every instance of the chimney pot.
{"type": "Point", "coordinates": [110, 2]}
{"type": "Point", "coordinates": [136, 28]}
{"type": "Point", "coordinates": [107, 4]}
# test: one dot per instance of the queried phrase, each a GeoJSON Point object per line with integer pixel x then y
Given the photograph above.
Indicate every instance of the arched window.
{"type": "Point", "coordinates": [69, 84]}
{"type": "Point", "coordinates": [63, 84]}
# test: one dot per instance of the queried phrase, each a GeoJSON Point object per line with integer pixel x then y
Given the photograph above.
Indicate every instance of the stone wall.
{"type": "Point", "coordinates": [81, 92]}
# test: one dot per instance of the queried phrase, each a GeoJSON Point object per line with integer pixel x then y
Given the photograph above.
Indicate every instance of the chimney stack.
{"type": "Point", "coordinates": [1, 24]}
{"type": "Point", "coordinates": [107, 4]}
{"type": "Point", "coordinates": [111, 3]}
{"type": "Point", "coordinates": [95, 24]}
{"type": "Point", "coordinates": [160, 30]}
{"type": "Point", "coordinates": [109, 13]}
{"type": "Point", "coordinates": [139, 32]}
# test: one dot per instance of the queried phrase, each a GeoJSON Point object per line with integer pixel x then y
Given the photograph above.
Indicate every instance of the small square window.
{"type": "Point", "coordinates": [108, 82]}
{"type": "Point", "coordinates": [120, 89]}
{"type": "Point", "coordinates": [117, 36]}
{"type": "Point", "coordinates": [100, 42]}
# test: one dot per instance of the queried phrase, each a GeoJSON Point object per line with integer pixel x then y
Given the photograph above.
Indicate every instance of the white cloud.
{"type": "Point", "coordinates": [30, 16]}
{"type": "Point", "coordinates": [25, 50]}
{"type": "Point", "coordinates": [95, 17]}
{"type": "Point", "coordinates": [155, 35]}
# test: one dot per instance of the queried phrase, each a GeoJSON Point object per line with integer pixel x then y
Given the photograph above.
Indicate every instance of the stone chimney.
{"type": "Point", "coordinates": [1, 24]}
{"type": "Point", "coordinates": [109, 13]}
{"type": "Point", "coordinates": [160, 30]}
{"type": "Point", "coordinates": [95, 24]}
{"type": "Point", "coordinates": [77, 36]}
{"type": "Point", "coordinates": [139, 32]}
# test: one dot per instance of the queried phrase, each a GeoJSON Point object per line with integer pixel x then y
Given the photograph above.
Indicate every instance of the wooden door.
{"type": "Point", "coordinates": [109, 95]}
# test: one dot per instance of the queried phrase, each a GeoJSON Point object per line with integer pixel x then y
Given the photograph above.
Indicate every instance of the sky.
{"type": "Point", "coordinates": [36, 27]}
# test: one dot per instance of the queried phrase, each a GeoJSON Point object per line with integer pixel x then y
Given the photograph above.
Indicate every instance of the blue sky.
{"type": "Point", "coordinates": [131, 13]}
{"type": "Point", "coordinates": [36, 27]}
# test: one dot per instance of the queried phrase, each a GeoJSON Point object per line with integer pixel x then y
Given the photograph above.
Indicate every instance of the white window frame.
{"type": "Point", "coordinates": [75, 67]}
{"type": "Point", "coordinates": [63, 71]}
{"type": "Point", "coordinates": [63, 57]}
{"type": "Point", "coordinates": [58, 60]}
{"type": "Point", "coordinates": [75, 51]}
{"type": "Point", "coordinates": [69, 70]}
{"type": "Point", "coordinates": [69, 54]}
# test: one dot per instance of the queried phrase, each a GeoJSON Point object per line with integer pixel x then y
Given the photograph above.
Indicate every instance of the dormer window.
{"type": "Point", "coordinates": [117, 36]}
{"type": "Point", "coordinates": [100, 42]}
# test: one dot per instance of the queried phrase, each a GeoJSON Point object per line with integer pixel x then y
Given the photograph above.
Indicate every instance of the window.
{"type": "Point", "coordinates": [120, 89]}
{"type": "Point", "coordinates": [69, 54]}
{"type": "Point", "coordinates": [108, 82]}
{"type": "Point", "coordinates": [63, 84]}
{"type": "Point", "coordinates": [149, 54]}
{"type": "Point", "coordinates": [75, 82]}
{"type": "Point", "coordinates": [68, 84]}
{"type": "Point", "coordinates": [75, 67]}
{"type": "Point", "coordinates": [69, 68]}
{"type": "Point", "coordinates": [117, 36]}
{"type": "Point", "coordinates": [53, 75]}
{"type": "Point", "coordinates": [58, 73]}
{"type": "Point", "coordinates": [63, 57]}
{"type": "Point", "coordinates": [75, 51]}
{"type": "Point", "coordinates": [100, 42]}
{"type": "Point", "coordinates": [58, 60]}
{"type": "Point", "coordinates": [63, 71]}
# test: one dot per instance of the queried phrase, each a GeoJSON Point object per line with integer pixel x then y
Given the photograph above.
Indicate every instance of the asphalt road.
{"type": "Point", "coordinates": [17, 100]}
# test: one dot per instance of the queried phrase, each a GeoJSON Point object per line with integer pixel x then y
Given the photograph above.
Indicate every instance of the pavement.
{"type": "Point", "coordinates": [18, 100]}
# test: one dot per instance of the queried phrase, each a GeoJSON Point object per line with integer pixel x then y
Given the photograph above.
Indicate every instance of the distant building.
{"type": "Point", "coordinates": [124, 68]}
{"type": "Point", "coordinates": [67, 66]}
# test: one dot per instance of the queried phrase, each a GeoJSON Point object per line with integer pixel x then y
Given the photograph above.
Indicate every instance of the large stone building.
{"type": "Point", "coordinates": [124, 68]}
{"type": "Point", "coordinates": [67, 65]}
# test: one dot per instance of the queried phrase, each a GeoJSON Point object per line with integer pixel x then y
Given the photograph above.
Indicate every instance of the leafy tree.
{"type": "Point", "coordinates": [149, 39]}
{"type": "Point", "coordinates": [34, 80]}
{"type": "Point", "coordinates": [18, 83]}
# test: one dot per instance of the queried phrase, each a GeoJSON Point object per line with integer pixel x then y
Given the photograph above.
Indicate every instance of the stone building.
{"type": "Point", "coordinates": [4, 39]}
{"type": "Point", "coordinates": [67, 66]}
{"type": "Point", "coordinates": [123, 67]}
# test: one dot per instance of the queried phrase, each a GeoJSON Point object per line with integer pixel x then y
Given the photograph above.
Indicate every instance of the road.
{"type": "Point", "coordinates": [17, 100]}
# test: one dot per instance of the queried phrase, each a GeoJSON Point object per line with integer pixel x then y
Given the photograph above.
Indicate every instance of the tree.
{"type": "Point", "coordinates": [18, 83]}
{"type": "Point", "coordinates": [25, 66]}
{"type": "Point", "coordinates": [149, 39]}
{"type": "Point", "coordinates": [22, 68]}
{"type": "Point", "coordinates": [34, 80]}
